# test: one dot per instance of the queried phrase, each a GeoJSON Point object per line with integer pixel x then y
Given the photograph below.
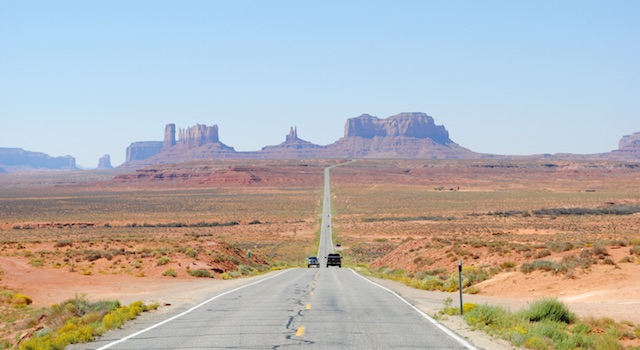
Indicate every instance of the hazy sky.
{"type": "Point", "coordinates": [88, 78]}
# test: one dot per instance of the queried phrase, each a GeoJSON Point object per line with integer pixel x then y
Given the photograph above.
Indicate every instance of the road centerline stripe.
{"type": "Point", "coordinates": [188, 311]}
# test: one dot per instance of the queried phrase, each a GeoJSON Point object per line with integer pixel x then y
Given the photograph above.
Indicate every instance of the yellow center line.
{"type": "Point", "coordinates": [300, 331]}
{"type": "Point", "coordinates": [308, 307]}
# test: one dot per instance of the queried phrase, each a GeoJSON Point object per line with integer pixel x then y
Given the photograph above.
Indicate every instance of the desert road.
{"type": "Point", "coordinates": [325, 308]}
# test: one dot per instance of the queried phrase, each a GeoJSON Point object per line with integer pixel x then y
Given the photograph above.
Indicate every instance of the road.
{"type": "Point", "coordinates": [326, 308]}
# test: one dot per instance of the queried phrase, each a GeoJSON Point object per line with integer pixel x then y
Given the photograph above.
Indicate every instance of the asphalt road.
{"type": "Point", "coordinates": [325, 308]}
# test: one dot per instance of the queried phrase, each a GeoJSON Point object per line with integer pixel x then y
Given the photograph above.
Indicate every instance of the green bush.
{"type": "Point", "coordinates": [550, 310]}
{"type": "Point", "coordinates": [487, 315]}
{"type": "Point", "coordinates": [170, 272]}
{"type": "Point", "coordinates": [191, 252]}
{"type": "Point", "coordinates": [18, 299]}
{"type": "Point", "coordinates": [163, 260]}
{"type": "Point", "coordinates": [201, 273]}
{"type": "Point", "coordinates": [95, 319]}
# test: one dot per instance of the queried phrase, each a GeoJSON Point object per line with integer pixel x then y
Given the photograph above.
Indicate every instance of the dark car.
{"type": "Point", "coordinates": [334, 259]}
{"type": "Point", "coordinates": [313, 261]}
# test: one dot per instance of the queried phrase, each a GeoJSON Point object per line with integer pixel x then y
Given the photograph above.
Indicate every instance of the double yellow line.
{"type": "Point", "coordinates": [300, 331]}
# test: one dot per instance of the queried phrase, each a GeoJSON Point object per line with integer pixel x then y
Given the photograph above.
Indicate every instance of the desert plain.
{"type": "Point", "coordinates": [523, 229]}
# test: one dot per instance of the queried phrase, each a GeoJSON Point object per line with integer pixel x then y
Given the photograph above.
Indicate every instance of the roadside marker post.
{"type": "Point", "coordinates": [460, 281]}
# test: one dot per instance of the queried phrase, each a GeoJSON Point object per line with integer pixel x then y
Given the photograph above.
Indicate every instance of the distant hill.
{"type": "Point", "coordinates": [17, 159]}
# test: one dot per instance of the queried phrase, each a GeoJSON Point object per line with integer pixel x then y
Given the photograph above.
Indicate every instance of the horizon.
{"type": "Point", "coordinates": [88, 79]}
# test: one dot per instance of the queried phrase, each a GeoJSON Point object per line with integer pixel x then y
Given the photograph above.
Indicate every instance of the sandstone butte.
{"type": "Point", "coordinates": [402, 136]}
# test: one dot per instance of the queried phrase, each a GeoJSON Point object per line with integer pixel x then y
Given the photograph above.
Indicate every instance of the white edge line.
{"type": "Point", "coordinates": [429, 318]}
{"type": "Point", "coordinates": [188, 311]}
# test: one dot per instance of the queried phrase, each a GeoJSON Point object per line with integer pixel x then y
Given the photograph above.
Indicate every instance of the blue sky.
{"type": "Point", "coordinates": [87, 78]}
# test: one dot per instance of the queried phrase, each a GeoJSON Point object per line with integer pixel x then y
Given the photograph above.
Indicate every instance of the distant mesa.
{"type": "Point", "coordinates": [105, 162]}
{"type": "Point", "coordinates": [413, 125]}
{"type": "Point", "coordinates": [630, 143]}
{"type": "Point", "coordinates": [401, 136]}
{"type": "Point", "coordinates": [17, 159]}
{"type": "Point", "coordinates": [405, 135]}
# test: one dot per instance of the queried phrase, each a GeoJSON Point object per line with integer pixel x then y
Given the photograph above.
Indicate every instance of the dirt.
{"type": "Point", "coordinates": [369, 190]}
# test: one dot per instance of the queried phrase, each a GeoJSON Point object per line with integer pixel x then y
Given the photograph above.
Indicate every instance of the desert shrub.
{"type": "Point", "coordinates": [78, 321]}
{"type": "Point", "coordinates": [489, 316]}
{"type": "Point", "coordinates": [201, 273]}
{"type": "Point", "coordinates": [627, 259]}
{"type": "Point", "coordinates": [549, 310]}
{"type": "Point", "coordinates": [170, 272]}
{"type": "Point", "coordinates": [544, 265]}
{"type": "Point", "coordinates": [20, 300]}
{"type": "Point", "coordinates": [37, 262]}
{"type": "Point", "coordinates": [635, 250]}
{"type": "Point", "coordinates": [191, 252]}
{"type": "Point", "coordinates": [508, 265]}
{"type": "Point", "coordinates": [163, 260]}
{"type": "Point", "coordinates": [472, 290]}
{"type": "Point", "coordinates": [610, 210]}
{"type": "Point", "coordinates": [543, 253]}
{"type": "Point", "coordinates": [467, 307]}
{"type": "Point", "coordinates": [63, 243]}
{"type": "Point", "coordinates": [560, 246]}
{"type": "Point", "coordinates": [246, 270]}
{"type": "Point", "coordinates": [470, 276]}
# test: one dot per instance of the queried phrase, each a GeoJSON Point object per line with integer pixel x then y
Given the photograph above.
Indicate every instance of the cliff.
{"type": "Point", "coordinates": [17, 159]}
{"type": "Point", "coordinates": [142, 150]}
{"type": "Point", "coordinates": [411, 125]}
{"type": "Point", "coordinates": [404, 135]}
{"type": "Point", "coordinates": [197, 142]}
{"type": "Point", "coordinates": [105, 162]}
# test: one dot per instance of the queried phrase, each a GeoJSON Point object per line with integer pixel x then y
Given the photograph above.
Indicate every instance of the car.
{"type": "Point", "coordinates": [334, 259]}
{"type": "Point", "coordinates": [313, 261]}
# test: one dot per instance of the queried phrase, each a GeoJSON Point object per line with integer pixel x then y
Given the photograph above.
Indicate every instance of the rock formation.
{"type": "Point", "coordinates": [414, 125]}
{"type": "Point", "coordinates": [405, 135]}
{"type": "Point", "coordinates": [142, 150]}
{"type": "Point", "coordinates": [292, 148]}
{"type": "Point", "coordinates": [17, 159]}
{"type": "Point", "coordinates": [197, 142]}
{"type": "Point", "coordinates": [198, 135]}
{"type": "Point", "coordinates": [105, 162]}
{"type": "Point", "coordinates": [630, 143]}
{"type": "Point", "coordinates": [628, 148]}
{"type": "Point", "coordinates": [169, 136]}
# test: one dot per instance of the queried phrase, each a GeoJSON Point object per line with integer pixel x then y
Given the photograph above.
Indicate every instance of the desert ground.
{"type": "Point", "coordinates": [523, 229]}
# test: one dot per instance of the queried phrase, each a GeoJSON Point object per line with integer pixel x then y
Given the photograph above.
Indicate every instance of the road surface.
{"type": "Point", "coordinates": [326, 308]}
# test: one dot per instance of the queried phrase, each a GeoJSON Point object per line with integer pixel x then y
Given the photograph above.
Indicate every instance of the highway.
{"type": "Point", "coordinates": [326, 308]}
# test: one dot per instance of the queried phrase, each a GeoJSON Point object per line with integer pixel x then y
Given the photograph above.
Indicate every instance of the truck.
{"type": "Point", "coordinates": [334, 259]}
